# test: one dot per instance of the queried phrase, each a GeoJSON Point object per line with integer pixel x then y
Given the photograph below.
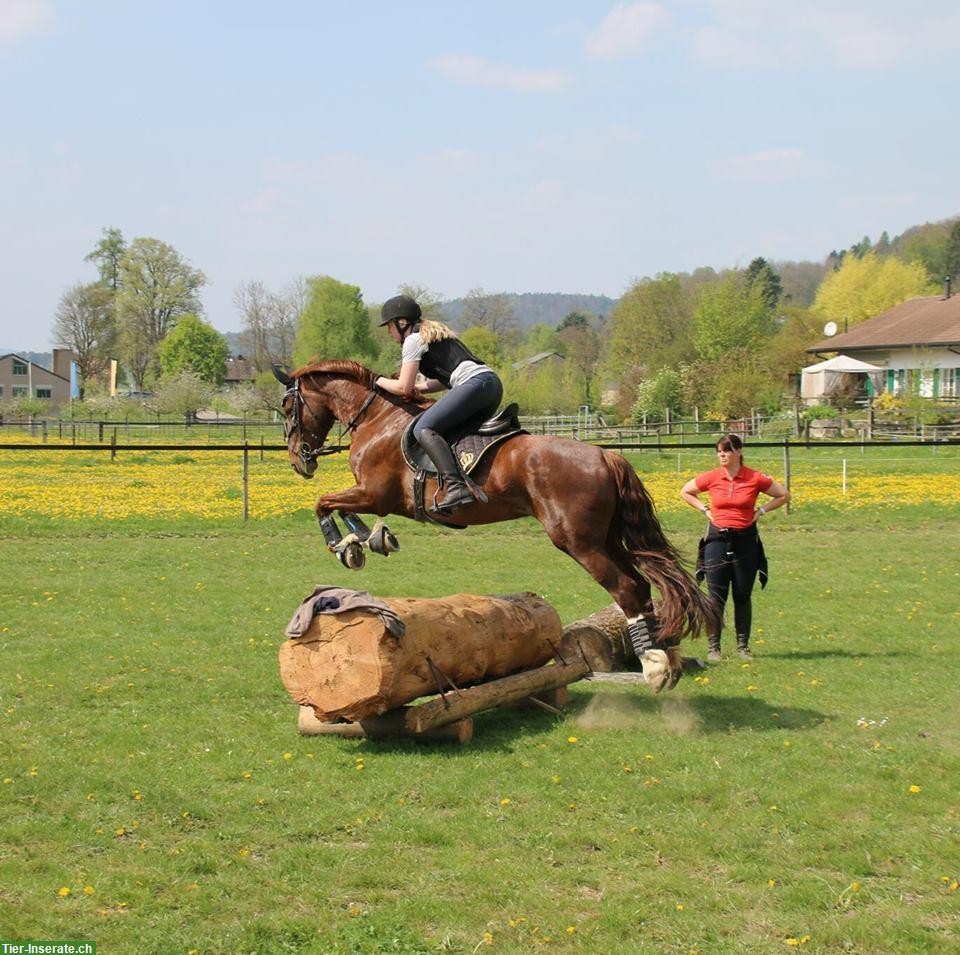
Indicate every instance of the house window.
{"type": "Point", "coordinates": [19, 367]}
{"type": "Point", "coordinates": [950, 382]}
{"type": "Point", "coordinates": [44, 392]}
{"type": "Point", "coordinates": [18, 391]}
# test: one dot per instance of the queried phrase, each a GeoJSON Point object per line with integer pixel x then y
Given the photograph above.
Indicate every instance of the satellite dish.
{"type": "Point", "coordinates": [830, 329]}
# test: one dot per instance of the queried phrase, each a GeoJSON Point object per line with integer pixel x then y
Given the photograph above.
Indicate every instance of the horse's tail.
{"type": "Point", "coordinates": [636, 535]}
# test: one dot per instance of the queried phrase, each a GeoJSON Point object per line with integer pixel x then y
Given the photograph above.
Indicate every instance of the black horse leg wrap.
{"type": "Point", "coordinates": [643, 631]}
{"type": "Point", "coordinates": [355, 524]}
{"type": "Point", "coordinates": [331, 533]}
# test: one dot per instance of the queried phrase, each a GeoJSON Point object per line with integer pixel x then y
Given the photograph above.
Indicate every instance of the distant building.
{"type": "Point", "coordinates": [916, 343]}
{"type": "Point", "coordinates": [540, 360]}
{"type": "Point", "coordinates": [22, 378]}
{"type": "Point", "coordinates": [239, 371]}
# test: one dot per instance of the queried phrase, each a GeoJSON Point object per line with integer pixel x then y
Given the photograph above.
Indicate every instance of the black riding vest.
{"type": "Point", "coordinates": [442, 358]}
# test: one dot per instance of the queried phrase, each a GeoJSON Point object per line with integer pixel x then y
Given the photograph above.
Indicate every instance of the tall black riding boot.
{"type": "Point", "coordinates": [456, 493]}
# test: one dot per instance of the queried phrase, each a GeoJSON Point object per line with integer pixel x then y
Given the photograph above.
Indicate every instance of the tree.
{"type": "Point", "coordinates": [540, 338]}
{"type": "Point", "coordinates": [195, 346]}
{"type": "Point", "coordinates": [760, 273]}
{"type": "Point", "coordinates": [582, 348]}
{"type": "Point", "coordinates": [484, 344]}
{"type": "Point", "coordinates": [731, 314]}
{"type": "Point", "coordinates": [156, 286]}
{"type": "Point", "coordinates": [574, 320]}
{"type": "Point", "coordinates": [651, 327]}
{"type": "Point", "coordinates": [430, 302]}
{"type": "Point", "coordinates": [662, 392]}
{"type": "Point", "coordinates": [253, 302]}
{"type": "Point", "coordinates": [864, 287]}
{"type": "Point", "coordinates": [489, 310]}
{"type": "Point", "coordinates": [334, 324]}
{"type": "Point", "coordinates": [183, 394]}
{"type": "Point", "coordinates": [107, 255]}
{"type": "Point", "coordinates": [84, 323]}
{"type": "Point", "coordinates": [952, 255]}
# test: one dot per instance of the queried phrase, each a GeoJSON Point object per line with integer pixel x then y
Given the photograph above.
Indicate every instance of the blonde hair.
{"type": "Point", "coordinates": [432, 331]}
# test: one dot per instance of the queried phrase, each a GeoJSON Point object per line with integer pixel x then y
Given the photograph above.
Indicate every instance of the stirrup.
{"type": "Point", "coordinates": [446, 506]}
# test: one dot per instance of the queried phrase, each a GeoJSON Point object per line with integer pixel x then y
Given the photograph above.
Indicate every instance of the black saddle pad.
{"type": "Point", "coordinates": [469, 444]}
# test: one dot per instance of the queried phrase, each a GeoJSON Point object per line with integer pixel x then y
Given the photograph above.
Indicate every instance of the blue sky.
{"type": "Point", "coordinates": [532, 146]}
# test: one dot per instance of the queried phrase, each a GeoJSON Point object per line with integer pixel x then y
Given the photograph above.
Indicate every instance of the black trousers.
{"type": "Point", "coordinates": [730, 561]}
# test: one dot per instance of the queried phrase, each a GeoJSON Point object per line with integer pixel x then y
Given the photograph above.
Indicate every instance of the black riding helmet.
{"type": "Point", "coordinates": [400, 306]}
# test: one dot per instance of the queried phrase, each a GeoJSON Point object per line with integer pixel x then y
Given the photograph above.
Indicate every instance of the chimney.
{"type": "Point", "coordinates": [61, 362]}
{"type": "Point", "coordinates": [946, 294]}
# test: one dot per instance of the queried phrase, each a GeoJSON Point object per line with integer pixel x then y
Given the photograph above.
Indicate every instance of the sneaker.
{"type": "Point", "coordinates": [745, 653]}
{"type": "Point", "coordinates": [714, 656]}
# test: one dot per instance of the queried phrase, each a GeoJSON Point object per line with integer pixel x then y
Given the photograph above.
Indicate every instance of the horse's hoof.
{"type": "Point", "coordinates": [352, 556]}
{"type": "Point", "coordinates": [381, 541]}
{"type": "Point", "coordinates": [656, 670]}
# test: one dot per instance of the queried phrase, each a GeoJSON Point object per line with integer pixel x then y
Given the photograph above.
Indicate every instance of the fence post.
{"type": "Point", "coordinates": [43, 431]}
{"type": "Point", "coordinates": [113, 445]}
{"type": "Point", "coordinates": [786, 469]}
{"type": "Point", "coordinates": [100, 438]}
{"type": "Point", "coordinates": [870, 422]}
{"type": "Point", "coordinates": [246, 480]}
{"type": "Point", "coordinates": [696, 418]}
{"type": "Point", "coordinates": [261, 447]}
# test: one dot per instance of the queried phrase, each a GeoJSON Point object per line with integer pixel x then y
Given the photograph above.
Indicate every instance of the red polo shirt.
{"type": "Point", "coordinates": [732, 500]}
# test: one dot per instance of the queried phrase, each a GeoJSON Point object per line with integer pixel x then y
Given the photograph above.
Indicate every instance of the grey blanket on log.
{"type": "Point", "coordinates": [329, 599]}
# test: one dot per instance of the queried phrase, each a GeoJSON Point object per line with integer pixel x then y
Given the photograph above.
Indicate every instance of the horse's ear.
{"type": "Point", "coordinates": [282, 376]}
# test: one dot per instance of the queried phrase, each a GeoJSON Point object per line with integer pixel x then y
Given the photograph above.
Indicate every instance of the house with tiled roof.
{"type": "Point", "coordinates": [917, 343]}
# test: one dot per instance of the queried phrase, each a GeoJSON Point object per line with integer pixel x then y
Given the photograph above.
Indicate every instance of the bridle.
{"type": "Point", "coordinates": [307, 454]}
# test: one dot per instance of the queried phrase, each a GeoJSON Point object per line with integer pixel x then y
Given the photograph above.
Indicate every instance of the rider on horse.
{"type": "Point", "coordinates": [434, 350]}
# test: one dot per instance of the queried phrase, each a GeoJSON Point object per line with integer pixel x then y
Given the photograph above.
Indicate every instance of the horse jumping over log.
{"type": "Point", "coordinates": [590, 502]}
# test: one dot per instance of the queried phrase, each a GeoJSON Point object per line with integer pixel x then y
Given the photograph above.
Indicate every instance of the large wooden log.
{"type": "Point", "coordinates": [349, 666]}
{"type": "Point", "coordinates": [602, 638]}
{"type": "Point", "coordinates": [486, 696]}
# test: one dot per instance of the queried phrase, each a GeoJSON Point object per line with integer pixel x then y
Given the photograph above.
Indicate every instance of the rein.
{"type": "Point", "coordinates": [304, 452]}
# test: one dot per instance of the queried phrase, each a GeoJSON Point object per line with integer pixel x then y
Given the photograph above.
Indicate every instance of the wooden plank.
{"type": "Point", "coordinates": [390, 725]}
{"type": "Point", "coordinates": [474, 699]}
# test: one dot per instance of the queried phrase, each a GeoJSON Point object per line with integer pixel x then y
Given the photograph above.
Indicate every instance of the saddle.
{"type": "Point", "coordinates": [470, 445]}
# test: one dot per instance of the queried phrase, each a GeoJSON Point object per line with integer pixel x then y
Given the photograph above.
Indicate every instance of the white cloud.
{"type": "Point", "coordinates": [20, 19]}
{"type": "Point", "coordinates": [625, 30]}
{"type": "Point", "coordinates": [767, 167]}
{"type": "Point", "coordinates": [476, 71]}
{"type": "Point", "coordinates": [854, 35]}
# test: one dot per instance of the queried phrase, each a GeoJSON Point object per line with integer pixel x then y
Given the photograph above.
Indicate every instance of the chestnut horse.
{"type": "Point", "coordinates": [590, 501]}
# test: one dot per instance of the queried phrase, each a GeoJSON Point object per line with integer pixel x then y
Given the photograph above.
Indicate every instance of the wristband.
{"type": "Point", "coordinates": [760, 510]}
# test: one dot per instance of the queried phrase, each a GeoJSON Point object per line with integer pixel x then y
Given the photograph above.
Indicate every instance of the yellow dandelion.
{"type": "Point", "coordinates": [288, 755]}
{"type": "Point", "coordinates": [88, 889]}
{"type": "Point", "coordinates": [504, 802]}
{"type": "Point", "coordinates": [679, 906]}
{"type": "Point", "coordinates": [915, 789]}
{"type": "Point", "coordinates": [572, 739]}
{"type": "Point", "coordinates": [772, 883]}
{"type": "Point", "coordinates": [571, 930]}
{"type": "Point", "coordinates": [63, 891]}
{"type": "Point", "coordinates": [554, 779]}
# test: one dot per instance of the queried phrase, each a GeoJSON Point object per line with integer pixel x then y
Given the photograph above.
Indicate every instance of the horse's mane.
{"type": "Point", "coordinates": [338, 366]}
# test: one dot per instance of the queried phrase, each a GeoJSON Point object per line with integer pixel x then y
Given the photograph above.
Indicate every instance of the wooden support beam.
{"type": "Point", "coordinates": [390, 725]}
{"type": "Point", "coordinates": [474, 699]}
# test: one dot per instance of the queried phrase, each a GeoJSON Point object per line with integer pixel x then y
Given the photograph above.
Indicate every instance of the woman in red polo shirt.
{"type": "Point", "coordinates": [731, 554]}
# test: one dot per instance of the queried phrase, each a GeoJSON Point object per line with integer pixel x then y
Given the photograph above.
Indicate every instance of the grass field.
{"type": "Point", "coordinates": [156, 797]}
